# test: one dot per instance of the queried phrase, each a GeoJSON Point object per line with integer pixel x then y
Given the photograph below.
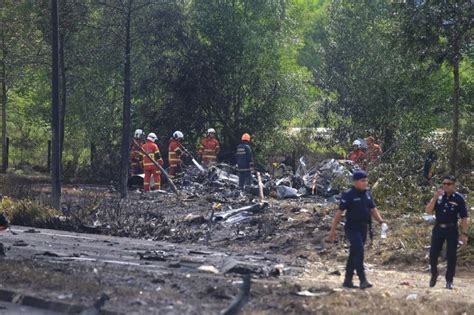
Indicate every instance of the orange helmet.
{"type": "Point", "coordinates": [245, 137]}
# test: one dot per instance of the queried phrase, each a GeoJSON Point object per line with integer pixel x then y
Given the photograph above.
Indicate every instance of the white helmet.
{"type": "Point", "coordinates": [178, 135]}
{"type": "Point", "coordinates": [152, 137]}
{"type": "Point", "coordinates": [138, 133]}
{"type": "Point", "coordinates": [357, 143]}
{"type": "Point", "coordinates": [211, 130]}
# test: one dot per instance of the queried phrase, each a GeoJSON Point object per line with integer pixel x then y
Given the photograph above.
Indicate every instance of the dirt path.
{"type": "Point", "coordinates": [66, 272]}
{"type": "Point", "coordinates": [399, 291]}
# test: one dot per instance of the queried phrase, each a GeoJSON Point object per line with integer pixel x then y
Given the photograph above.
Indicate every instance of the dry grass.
{"type": "Point", "coordinates": [27, 212]}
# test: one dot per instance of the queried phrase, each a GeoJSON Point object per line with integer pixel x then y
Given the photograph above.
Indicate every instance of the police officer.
{"type": "Point", "coordinates": [360, 208]}
{"type": "Point", "coordinates": [449, 205]}
{"type": "Point", "coordinates": [244, 160]}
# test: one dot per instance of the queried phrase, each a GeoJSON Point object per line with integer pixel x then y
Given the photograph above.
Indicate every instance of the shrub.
{"type": "Point", "coordinates": [27, 212]}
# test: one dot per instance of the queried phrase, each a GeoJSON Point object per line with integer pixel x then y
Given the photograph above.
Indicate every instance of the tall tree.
{"type": "Point", "coordinates": [369, 85]}
{"type": "Point", "coordinates": [126, 11]}
{"type": "Point", "coordinates": [21, 50]}
{"type": "Point", "coordinates": [55, 120]}
{"type": "Point", "coordinates": [3, 96]}
{"type": "Point", "coordinates": [228, 71]}
{"type": "Point", "coordinates": [127, 96]}
{"type": "Point", "coordinates": [439, 32]}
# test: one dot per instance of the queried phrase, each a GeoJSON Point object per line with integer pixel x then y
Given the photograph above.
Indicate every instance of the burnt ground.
{"type": "Point", "coordinates": [155, 255]}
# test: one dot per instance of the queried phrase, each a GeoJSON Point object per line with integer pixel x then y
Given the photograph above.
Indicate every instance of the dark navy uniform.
{"type": "Point", "coordinates": [244, 163]}
{"type": "Point", "coordinates": [358, 205]}
{"type": "Point", "coordinates": [447, 210]}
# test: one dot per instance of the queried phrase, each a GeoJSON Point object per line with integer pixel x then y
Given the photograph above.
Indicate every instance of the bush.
{"type": "Point", "coordinates": [27, 212]}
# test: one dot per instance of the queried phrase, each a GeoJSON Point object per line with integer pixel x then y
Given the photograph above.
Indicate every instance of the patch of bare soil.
{"type": "Point", "coordinates": [153, 266]}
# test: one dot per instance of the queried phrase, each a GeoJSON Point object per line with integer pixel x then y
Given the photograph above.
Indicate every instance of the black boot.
{"type": "Point", "coordinates": [364, 284]}
{"type": "Point", "coordinates": [348, 284]}
{"type": "Point", "coordinates": [433, 279]}
{"type": "Point", "coordinates": [449, 285]}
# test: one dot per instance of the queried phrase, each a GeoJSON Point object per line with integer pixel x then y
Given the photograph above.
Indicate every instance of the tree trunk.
{"type": "Point", "coordinates": [55, 121]}
{"type": "Point", "coordinates": [48, 159]}
{"type": "Point", "coordinates": [456, 97]}
{"type": "Point", "coordinates": [93, 154]}
{"type": "Point", "coordinates": [4, 105]}
{"type": "Point", "coordinates": [62, 111]}
{"type": "Point", "coordinates": [125, 147]}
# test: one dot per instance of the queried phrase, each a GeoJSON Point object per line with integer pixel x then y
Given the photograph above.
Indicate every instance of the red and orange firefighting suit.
{"type": "Point", "coordinates": [358, 156]}
{"type": "Point", "coordinates": [374, 152]}
{"type": "Point", "coordinates": [135, 158]}
{"type": "Point", "coordinates": [175, 150]}
{"type": "Point", "coordinates": [152, 152]}
{"type": "Point", "coordinates": [208, 150]}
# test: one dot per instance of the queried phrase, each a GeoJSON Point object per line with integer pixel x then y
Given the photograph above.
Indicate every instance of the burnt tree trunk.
{"type": "Point", "coordinates": [124, 150]}
{"type": "Point", "coordinates": [62, 110]}
{"type": "Point", "coordinates": [55, 121]}
{"type": "Point", "coordinates": [4, 104]}
{"type": "Point", "coordinates": [455, 99]}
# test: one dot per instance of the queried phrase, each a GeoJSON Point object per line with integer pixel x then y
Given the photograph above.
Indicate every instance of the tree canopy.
{"type": "Point", "coordinates": [369, 67]}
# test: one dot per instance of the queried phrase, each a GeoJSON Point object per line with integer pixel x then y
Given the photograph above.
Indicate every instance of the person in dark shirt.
{"type": "Point", "coordinates": [449, 206]}
{"type": "Point", "coordinates": [429, 165]}
{"type": "Point", "coordinates": [360, 207]}
{"type": "Point", "coordinates": [244, 160]}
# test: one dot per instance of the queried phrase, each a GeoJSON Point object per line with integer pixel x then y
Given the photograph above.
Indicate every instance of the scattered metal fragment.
{"type": "Point", "coordinates": [208, 268]}
{"type": "Point", "coordinates": [20, 243]}
{"type": "Point", "coordinates": [153, 255]}
{"type": "Point", "coordinates": [31, 231]}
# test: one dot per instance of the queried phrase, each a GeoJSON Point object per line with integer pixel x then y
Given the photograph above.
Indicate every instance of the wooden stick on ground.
{"type": "Point", "coordinates": [260, 186]}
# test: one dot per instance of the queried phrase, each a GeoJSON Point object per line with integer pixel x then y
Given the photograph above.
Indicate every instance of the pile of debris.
{"type": "Point", "coordinates": [326, 179]}
{"type": "Point", "coordinates": [212, 207]}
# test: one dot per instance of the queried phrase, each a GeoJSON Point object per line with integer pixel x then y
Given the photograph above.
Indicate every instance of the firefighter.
{"type": "Point", "coordinates": [151, 170]}
{"type": "Point", "coordinates": [357, 155]}
{"type": "Point", "coordinates": [374, 150]}
{"type": "Point", "coordinates": [175, 152]}
{"type": "Point", "coordinates": [135, 153]}
{"type": "Point", "coordinates": [208, 148]}
{"type": "Point", "coordinates": [244, 161]}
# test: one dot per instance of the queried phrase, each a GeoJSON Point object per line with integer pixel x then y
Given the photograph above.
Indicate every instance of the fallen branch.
{"type": "Point", "coordinates": [241, 299]}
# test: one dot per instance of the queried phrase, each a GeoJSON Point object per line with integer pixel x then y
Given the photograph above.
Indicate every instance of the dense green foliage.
{"type": "Point", "coordinates": [359, 67]}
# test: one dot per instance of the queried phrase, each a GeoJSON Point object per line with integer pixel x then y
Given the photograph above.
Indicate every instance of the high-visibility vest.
{"type": "Point", "coordinates": [208, 149]}
{"type": "Point", "coordinates": [358, 156]}
{"type": "Point", "coordinates": [152, 152]}
{"type": "Point", "coordinates": [174, 152]}
{"type": "Point", "coordinates": [244, 157]}
{"type": "Point", "coordinates": [135, 155]}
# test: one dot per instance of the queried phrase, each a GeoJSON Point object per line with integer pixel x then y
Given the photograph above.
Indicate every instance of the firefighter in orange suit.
{"type": "Point", "coordinates": [151, 170]}
{"type": "Point", "coordinates": [209, 147]}
{"type": "Point", "coordinates": [135, 153]}
{"type": "Point", "coordinates": [374, 151]}
{"type": "Point", "coordinates": [175, 151]}
{"type": "Point", "coordinates": [358, 155]}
